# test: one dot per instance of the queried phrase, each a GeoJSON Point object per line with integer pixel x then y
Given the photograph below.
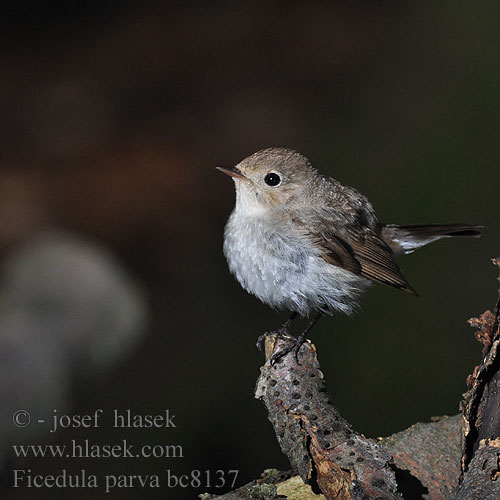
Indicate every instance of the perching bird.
{"type": "Point", "coordinates": [300, 240]}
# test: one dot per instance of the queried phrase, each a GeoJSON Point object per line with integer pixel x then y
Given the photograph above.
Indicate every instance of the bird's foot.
{"type": "Point", "coordinates": [293, 345]}
{"type": "Point", "coordinates": [283, 333]}
{"type": "Point", "coordinates": [280, 333]}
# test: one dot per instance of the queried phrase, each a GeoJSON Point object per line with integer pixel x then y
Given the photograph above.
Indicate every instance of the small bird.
{"type": "Point", "coordinates": [302, 241]}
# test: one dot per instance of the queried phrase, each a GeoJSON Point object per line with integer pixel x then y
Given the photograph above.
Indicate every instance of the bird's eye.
{"type": "Point", "coordinates": [272, 179]}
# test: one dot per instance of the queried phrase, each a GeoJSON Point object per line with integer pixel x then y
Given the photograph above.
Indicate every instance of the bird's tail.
{"type": "Point", "coordinates": [406, 239]}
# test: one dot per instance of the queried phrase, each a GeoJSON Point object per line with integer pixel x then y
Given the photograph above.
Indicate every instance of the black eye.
{"type": "Point", "coordinates": [272, 179]}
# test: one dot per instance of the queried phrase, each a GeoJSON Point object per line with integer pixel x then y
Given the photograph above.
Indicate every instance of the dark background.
{"type": "Point", "coordinates": [113, 118]}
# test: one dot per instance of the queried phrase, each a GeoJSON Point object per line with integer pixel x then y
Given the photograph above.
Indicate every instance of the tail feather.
{"type": "Point", "coordinates": [406, 239]}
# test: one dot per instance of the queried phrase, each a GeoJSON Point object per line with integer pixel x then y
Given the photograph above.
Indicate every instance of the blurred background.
{"type": "Point", "coordinates": [115, 292]}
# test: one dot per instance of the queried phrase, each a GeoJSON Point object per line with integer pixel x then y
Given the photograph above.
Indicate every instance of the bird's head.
{"type": "Point", "coordinates": [270, 178]}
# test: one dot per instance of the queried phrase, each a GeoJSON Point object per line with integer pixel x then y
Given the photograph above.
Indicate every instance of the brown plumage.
{"type": "Point", "coordinates": [303, 241]}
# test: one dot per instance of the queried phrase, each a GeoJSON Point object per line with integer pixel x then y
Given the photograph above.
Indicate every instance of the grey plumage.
{"type": "Point", "coordinates": [309, 243]}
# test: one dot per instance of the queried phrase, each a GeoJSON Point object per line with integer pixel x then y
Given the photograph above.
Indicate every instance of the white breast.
{"type": "Point", "coordinates": [284, 269]}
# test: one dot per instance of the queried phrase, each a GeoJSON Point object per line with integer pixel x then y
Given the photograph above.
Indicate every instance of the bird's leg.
{"type": "Point", "coordinates": [302, 337]}
{"type": "Point", "coordinates": [285, 327]}
{"type": "Point", "coordinates": [295, 343]}
{"type": "Point", "coordinates": [279, 332]}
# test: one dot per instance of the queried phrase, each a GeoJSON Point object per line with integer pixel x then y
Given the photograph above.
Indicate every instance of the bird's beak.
{"type": "Point", "coordinates": [232, 171]}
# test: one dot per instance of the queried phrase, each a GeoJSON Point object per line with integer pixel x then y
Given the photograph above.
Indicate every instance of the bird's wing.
{"type": "Point", "coordinates": [362, 252]}
{"type": "Point", "coordinates": [344, 226]}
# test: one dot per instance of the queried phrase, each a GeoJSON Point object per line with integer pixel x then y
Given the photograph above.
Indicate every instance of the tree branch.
{"type": "Point", "coordinates": [321, 445]}
{"type": "Point", "coordinates": [481, 414]}
{"type": "Point", "coordinates": [450, 458]}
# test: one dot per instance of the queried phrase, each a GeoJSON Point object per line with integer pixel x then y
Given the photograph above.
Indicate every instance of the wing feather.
{"type": "Point", "coordinates": [364, 253]}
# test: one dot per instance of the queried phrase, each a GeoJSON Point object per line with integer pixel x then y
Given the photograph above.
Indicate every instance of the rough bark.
{"type": "Point", "coordinates": [482, 479]}
{"type": "Point", "coordinates": [480, 462]}
{"type": "Point", "coordinates": [427, 456]}
{"type": "Point", "coordinates": [321, 446]}
{"type": "Point", "coordinates": [450, 458]}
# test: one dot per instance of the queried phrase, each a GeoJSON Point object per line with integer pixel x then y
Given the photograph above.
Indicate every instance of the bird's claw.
{"type": "Point", "coordinates": [280, 333]}
{"type": "Point", "coordinates": [294, 345]}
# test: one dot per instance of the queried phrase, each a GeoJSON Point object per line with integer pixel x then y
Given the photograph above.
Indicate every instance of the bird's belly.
{"type": "Point", "coordinates": [285, 270]}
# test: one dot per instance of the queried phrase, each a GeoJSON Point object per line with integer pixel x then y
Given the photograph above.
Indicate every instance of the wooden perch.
{"type": "Point", "coordinates": [450, 458]}
{"type": "Point", "coordinates": [321, 446]}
